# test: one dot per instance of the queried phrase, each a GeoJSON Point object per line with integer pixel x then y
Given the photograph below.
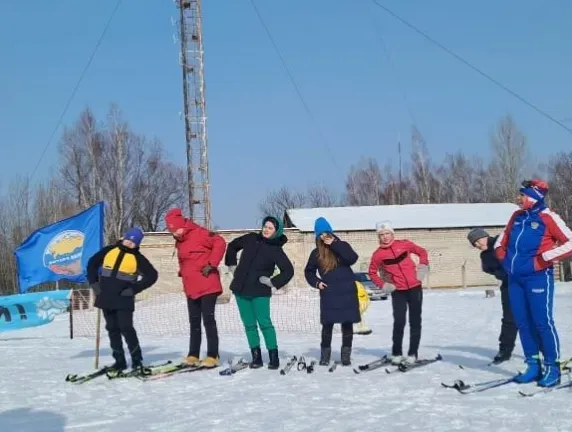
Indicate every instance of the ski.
{"type": "Point", "coordinates": [333, 367]}
{"type": "Point", "coordinates": [234, 368]}
{"type": "Point", "coordinates": [301, 364]}
{"type": "Point", "coordinates": [82, 378]}
{"type": "Point", "coordinates": [545, 389]}
{"type": "Point", "coordinates": [405, 367]}
{"type": "Point", "coordinates": [139, 372]}
{"type": "Point", "coordinates": [181, 368]}
{"type": "Point", "coordinates": [376, 364]}
{"type": "Point", "coordinates": [478, 387]}
{"type": "Point", "coordinates": [311, 366]}
{"type": "Point", "coordinates": [289, 365]}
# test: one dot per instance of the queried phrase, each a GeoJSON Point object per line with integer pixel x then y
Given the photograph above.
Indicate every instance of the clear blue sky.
{"type": "Point", "coordinates": [260, 136]}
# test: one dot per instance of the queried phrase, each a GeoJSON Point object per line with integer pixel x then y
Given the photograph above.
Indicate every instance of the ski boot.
{"type": "Point", "coordinates": [210, 362]}
{"type": "Point", "coordinates": [325, 355]}
{"type": "Point", "coordinates": [256, 358]}
{"type": "Point", "coordinates": [532, 373]}
{"type": "Point", "coordinates": [502, 356]}
{"type": "Point", "coordinates": [346, 355]}
{"type": "Point", "coordinates": [551, 376]}
{"type": "Point", "coordinates": [273, 359]}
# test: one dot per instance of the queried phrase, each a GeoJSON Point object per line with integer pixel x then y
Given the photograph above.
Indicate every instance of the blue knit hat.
{"type": "Point", "coordinates": [322, 226]}
{"type": "Point", "coordinates": [535, 189]}
{"type": "Point", "coordinates": [135, 235]}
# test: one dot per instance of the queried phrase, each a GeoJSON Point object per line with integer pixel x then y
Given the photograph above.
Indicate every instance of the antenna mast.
{"type": "Point", "coordinates": [192, 63]}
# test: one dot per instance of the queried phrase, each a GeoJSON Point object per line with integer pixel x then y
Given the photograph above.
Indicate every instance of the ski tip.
{"type": "Point", "coordinates": [387, 371]}
{"type": "Point", "coordinates": [356, 371]}
{"type": "Point", "coordinates": [461, 367]}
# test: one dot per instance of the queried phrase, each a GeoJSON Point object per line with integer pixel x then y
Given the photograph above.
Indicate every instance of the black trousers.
{"type": "Point", "coordinates": [509, 330]}
{"type": "Point", "coordinates": [347, 335]}
{"type": "Point", "coordinates": [401, 301]}
{"type": "Point", "coordinates": [119, 323]}
{"type": "Point", "coordinates": [203, 307]}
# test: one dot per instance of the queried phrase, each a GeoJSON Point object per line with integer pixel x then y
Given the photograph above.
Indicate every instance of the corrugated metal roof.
{"type": "Point", "coordinates": [410, 216]}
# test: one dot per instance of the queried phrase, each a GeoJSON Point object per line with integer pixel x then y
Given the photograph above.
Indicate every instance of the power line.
{"type": "Point", "coordinates": [296, 88]}
{"type": "Point", "coordinates": [391, 64]}
{"type": "Point", "coordinates": [76, 88]}
{"type": "Point", "coordinates": [473, 67]}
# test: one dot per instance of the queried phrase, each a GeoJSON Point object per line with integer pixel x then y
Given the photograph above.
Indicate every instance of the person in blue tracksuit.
{"type": "Point", "coordinates": [533, 239]}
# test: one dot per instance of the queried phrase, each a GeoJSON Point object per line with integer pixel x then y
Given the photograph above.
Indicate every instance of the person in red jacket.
{"type": "Point", "coordinates": [403, 279]}
{"type": "Point", "coordinates": [199, 251]}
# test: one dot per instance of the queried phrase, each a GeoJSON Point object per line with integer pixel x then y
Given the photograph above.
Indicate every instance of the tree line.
{"type": "Point", "coordinates": [458, 178]}
{"type": "Point", "coordinates": [97, 160]}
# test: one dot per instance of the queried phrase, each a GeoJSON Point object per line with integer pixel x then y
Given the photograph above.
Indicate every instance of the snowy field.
{"type": "Point", "coordinates": [461, 325]}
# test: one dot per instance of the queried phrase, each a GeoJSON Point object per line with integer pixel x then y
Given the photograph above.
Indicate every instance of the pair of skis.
{"type": "Point", "coordinates": [114, 374]}
{"type": "Point", "coordinates": [401, 367]}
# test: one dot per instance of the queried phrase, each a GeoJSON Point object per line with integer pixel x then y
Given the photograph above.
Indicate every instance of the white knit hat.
{"type": "Point", "coordinates": [384, 226]}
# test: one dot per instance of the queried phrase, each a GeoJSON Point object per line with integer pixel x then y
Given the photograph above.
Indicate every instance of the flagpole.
{"type": "Point", "coordinates": [97, 337]}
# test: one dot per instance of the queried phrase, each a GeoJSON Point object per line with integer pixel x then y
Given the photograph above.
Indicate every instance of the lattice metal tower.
{"type": "Point", "coordinates": [192, 63]}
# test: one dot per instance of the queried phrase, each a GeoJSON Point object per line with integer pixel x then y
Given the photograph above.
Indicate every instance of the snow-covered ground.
{"type": "Point", "coordinates": [461, 325]}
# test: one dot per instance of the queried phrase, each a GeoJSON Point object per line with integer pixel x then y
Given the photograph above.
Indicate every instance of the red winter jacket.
{"type": "Point", "coordinates": [197, 248]}
{"type": "Point", "coordinates": [396, 264]}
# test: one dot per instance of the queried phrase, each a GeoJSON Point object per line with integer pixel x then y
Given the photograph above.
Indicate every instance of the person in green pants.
{"type": "Point", "coordinates": [253, 281]}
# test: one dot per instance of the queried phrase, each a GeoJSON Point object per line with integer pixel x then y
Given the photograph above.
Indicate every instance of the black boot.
{"type": "Point", "coordinates": [274, 360]}
{"type": "Point", "coordinates": [256, 358]}
{"type": "Point", "coordinates": [346, 355]}
{"type": "Point", "coordinates": [503, 355]}
{"type": "Point", "coordinates": [325, 356]}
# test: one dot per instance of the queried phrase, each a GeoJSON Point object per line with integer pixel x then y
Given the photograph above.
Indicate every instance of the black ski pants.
{"type": "Point", "coordinates": [203, 308]}
{"type": "Point", "coordinates": [118, 323]}
{"type": "Point", "coordinates": [509, 330]}
{"type": "Point", "coordinates": [347, 335]}
{"type": "Point", "coordinates": [402, 300]}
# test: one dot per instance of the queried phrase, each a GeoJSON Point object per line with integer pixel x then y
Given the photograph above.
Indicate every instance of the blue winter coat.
{"type": "Point", "coordinates": [339, 301]}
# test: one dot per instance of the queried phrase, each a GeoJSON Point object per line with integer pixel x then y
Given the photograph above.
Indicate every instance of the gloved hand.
{"type": "Point", "coordinates": [388, 288]}
{"type": "Point", "coordinates": [231, 269]}
{"type": "Point", "coordinates": [265, 280]}
{"type": "Point", "coordinates": [207, 270]}
{"type": "Point", "coordinates": [422, 272]}
{"type": "Point", "coordinates": [96, 288]}
{"type": "Point", "coordinates": [128, 292]}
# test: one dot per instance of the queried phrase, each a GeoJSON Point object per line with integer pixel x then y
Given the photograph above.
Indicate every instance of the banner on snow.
{"type": "Point", "coordinates": [60, 250]}
{"type": "Point", "coordinates": [32, 310]}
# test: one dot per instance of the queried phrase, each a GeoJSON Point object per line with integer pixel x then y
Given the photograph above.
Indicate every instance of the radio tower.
{"type": "Point", "coordinates": [191, 59]}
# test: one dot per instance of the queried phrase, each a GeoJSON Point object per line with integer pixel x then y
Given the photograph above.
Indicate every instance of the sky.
{"type": "Point", "coordinates": [260, 135]}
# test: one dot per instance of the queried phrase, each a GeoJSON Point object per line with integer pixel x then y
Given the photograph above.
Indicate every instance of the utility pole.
{"type": "Point", "coordinates": [192, 64]}
{"type": "Point", "coordinates": [400, 170]}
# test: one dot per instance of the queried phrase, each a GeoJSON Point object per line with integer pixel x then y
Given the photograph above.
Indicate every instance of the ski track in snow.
{"type": "Point", "coordinates": [461, 325]}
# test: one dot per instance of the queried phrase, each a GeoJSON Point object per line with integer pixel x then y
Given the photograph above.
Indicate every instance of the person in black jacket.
{"type": "Point", "coordinates": [480, 239]}
{"type": "Point", "coordinates": [124, 273]}
{"type": "Point", "coordinates": [332, 260]}
{"type": "Point", "coordinates": [252, 284]}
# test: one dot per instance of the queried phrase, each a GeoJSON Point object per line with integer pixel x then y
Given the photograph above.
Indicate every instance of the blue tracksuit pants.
{"type": "Point", "coordinates": [532, 303]}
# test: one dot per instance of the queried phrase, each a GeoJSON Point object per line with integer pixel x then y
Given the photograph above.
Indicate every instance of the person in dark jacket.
{"type": "Point", "coordinates": [480, 239]}
{"type": "Point", "coordinates": [252, 284]}
{"type": "Point", "coordinates": [117, 273]}
{"type": "Point", "coordinates": [332, 260]}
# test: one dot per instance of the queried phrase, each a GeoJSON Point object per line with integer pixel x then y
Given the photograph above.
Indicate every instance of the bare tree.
{"type": "Point", "coordinates": [321, 196]}
{"type": "Point", "coordinates": [277, 202]}
{"type": "Point", "coordinates": [560, 181]}
{"type": "Point", "coordinates": [421, 176]}
{"type": "Point", "coordinates": [509, 163]}
{"type": "Point", "coordinates": [364, 184]}
{"type": "Point", "coordinates": [163, 186]}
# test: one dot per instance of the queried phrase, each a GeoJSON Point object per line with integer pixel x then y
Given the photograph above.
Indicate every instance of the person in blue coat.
{"type": "Point", "coordinates": [329, 270]}
{"type": "Point", "coordinates": [534, 238]}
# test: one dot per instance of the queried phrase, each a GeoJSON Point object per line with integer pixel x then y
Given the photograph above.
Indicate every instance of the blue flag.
{"type": "Point", "coordinates": [32, 310]}
{"type": "Point", "coordinates": [60, 250]}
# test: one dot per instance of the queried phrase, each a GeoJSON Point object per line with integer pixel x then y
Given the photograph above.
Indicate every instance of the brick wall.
{"type": "Point", "coordinates": [448, 252]}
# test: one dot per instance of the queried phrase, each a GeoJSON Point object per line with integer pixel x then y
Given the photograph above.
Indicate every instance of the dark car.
{"type": "Point", "coordinates": [373, 291]}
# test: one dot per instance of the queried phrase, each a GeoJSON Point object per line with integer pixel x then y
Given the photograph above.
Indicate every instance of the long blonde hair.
{"type": "Point", "coordinates": [326, 258]}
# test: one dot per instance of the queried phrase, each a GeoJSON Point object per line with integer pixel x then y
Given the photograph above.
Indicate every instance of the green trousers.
{"type": "Point", "coordinates": [254, 313]}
